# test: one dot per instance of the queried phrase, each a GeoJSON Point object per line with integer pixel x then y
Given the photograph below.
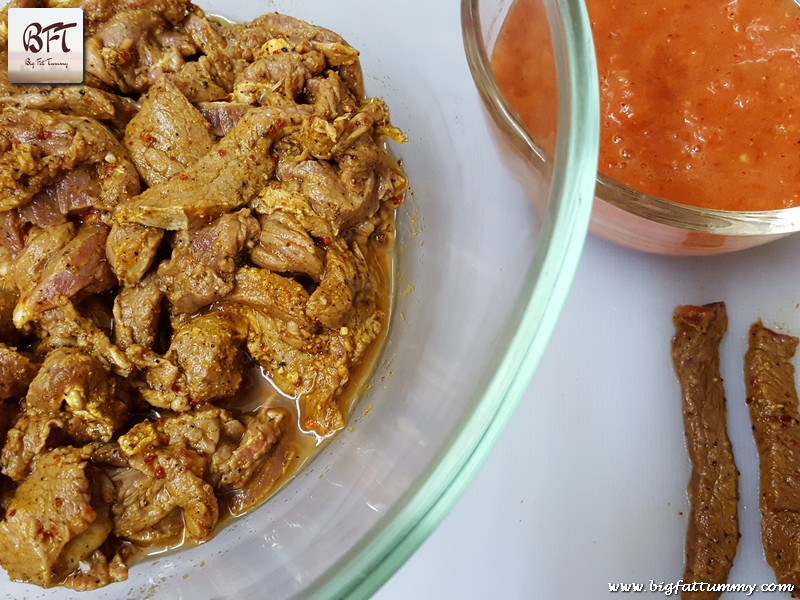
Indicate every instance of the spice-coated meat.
{"type": "Point", "coordinates": [137, 314]}
{"type": "Point", "coordinates": [285, 246]}
{"type": "Point", "coordinates": [204, 261]}
{"type": "Point", "coordinates": [212, 212]}
{"type": "Point", "coordinates": [80, 266]}
{"type": "Point", "coordinates": [128, 52]}
{"type": "Point", "coordinates": [772, 398]}
{"type": "Point", "coordinates": [57, 520]}
{"type": "Point", "coordinates": [17, 370]}
{"type": "Point", "coordinates": [73, 393]}
{"type": "Point", "coordinates": [167, 134]}
{"type": "Point", "coordinates": [131, 250]}
{"type": "Point", "coordinates": [713, 532]}
{"type": "Point", "coordinates": [40, 147]}
{"type": "Point", "coordinates": [225, 179]}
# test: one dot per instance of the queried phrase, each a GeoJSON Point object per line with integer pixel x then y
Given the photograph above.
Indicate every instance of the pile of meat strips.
{"type": "Point", "coordinates": [217, 197]}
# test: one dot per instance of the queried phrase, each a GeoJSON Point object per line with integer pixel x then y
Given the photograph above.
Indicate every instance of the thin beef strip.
{"type": "Point", "coordinates": [56, 522]}
{"type": "Point", "coordinates": [225, 179]}
{"type": "Point", "coordinates": [79, 266]}
{"type": "Point", "coordinates": [203, 263]}
{"type": "Point", "coordinates": [13, 233]}
{"type": "Point", "coordinates": [17, 370]}
{"type": "Point", "coordinates": [39, 148]}
{"type": "Point", "coordinates": [72, 393]}
{"type": "Point", "coordinates": [772, 398]}
{"type": "Point", "coordinates": [180, 470]}
{"type": "Point", "coordinates": [131, 249]}
{"type": "Point", "coordinates": [244, 40]}
{"type": "Point", "coordinates": [223, 116]}
{"type": "Point", "coordinates": [137, 311]}
{"type": "Point", "coordinates": [713, 532]}
{"type": "Point", "coordinates": [77, 100]}
{"type": "Point", "coordinates": [204, 363]}
{"type": "Point", "coordinates": [8, 332]}
{"type": "Point", "coordinates": [284, 246]}
{"type": "Point", "coordinates": [76, 192]}
{"type": "Point", "coordinates": [67, 327]}
{"type": "Point", "coordinates": [167, 134]}
{"type": "Point", "coordinates": [133, 48]}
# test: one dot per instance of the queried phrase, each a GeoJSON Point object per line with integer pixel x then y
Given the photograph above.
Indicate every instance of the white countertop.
{"type": "Point", "coordinates": [587, 484]}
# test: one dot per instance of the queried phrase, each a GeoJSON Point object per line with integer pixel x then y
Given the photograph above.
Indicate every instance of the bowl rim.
{"type": "Point", "coordinates": [361, 571]}
{"type": "Point", "coordinates": [694, 218]}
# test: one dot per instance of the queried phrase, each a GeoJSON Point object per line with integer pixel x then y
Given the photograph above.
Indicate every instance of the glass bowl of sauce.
{"type": "Point", "coordinates": [700, 118]}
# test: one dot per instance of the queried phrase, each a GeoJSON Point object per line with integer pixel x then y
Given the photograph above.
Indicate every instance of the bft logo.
{"type": "Point", "coordinates": [45, 45]}
{"type": "Point", "coordinates": [32, 37]}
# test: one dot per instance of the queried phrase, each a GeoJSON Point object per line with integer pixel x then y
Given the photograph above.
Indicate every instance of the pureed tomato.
{"type": "Point", "coordinates": [700, 101]}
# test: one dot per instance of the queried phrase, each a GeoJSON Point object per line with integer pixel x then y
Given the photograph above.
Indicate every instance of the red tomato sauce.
{"type": "Point", "coordinates": [700, 100]}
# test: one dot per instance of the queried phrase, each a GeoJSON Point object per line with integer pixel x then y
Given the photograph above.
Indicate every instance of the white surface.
{"type": "Point", "coordinates": [587, 484]}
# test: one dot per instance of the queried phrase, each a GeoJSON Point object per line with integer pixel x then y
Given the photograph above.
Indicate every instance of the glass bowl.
{"type": "Point", "coordinates": [621, 214]}
{"type": "Point", "coordinates": [480, 280]}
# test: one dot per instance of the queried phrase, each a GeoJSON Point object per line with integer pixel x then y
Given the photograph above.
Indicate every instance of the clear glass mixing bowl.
{"type": "Point", "coordinates": [480, 281]}
{"type": "Point", "coordinates": [622, 214]}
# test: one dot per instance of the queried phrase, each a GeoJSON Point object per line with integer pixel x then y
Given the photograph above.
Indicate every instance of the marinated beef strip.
{"type": "Point", "coordinates": [225, 179]}
{"type": "Point", "coordinates": [713, 532]}
{"type": "Point", "coordinates": [167, 134]}
{"type": "Point", "coordinates": [772, 398]}
{"type": "Point", "coordinates": [40, 147]}
{"type": "Point", "coordinates": [56, 522]}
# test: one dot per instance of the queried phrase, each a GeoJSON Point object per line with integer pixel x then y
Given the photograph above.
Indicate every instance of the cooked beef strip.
{"type": "Point", "coordinates": [57, 519]}
{"type": "Point", "coordinates": [225, 179]}
{"type": "Point", "coordinates": [167, 134]}
{"type": "Point", "coordinates": [39, 147]}
{"type": "Point", "coordinates": [17, 370]}
{"type": "Point", "coordinates": [201, 269]}
{"type": "Point", "coordinates": [772, 398]}
{"type": "Point", "coordinates": [713, 532]}
{"type": "Point", "coordinates": [131, 249]}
